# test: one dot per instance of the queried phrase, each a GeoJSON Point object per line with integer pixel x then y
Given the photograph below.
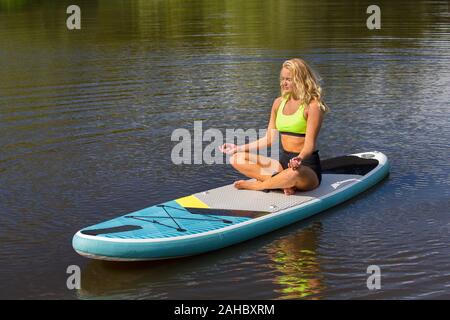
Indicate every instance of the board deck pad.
{"type": "Point", "coordinates": [163, 221]}
{"type": "Point", "coordinates": [230, 198]}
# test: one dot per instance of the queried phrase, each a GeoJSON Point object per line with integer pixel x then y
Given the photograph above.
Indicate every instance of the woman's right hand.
{"type": "Point", "coordinates": [295, 162]}
{"type": "Point", "coordinates": [228, 148]}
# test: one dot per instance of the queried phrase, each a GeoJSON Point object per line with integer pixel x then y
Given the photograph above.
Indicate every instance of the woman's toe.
{"type": "Point", "coordinates": [238, 184]}
{"type": "Point", "coordinates": [289, 191]}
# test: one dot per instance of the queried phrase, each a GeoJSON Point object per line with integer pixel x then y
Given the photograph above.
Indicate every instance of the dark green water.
{"type": "Point", "coordinates": [86, 118]}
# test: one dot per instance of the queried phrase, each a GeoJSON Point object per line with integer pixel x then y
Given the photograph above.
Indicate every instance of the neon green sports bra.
{"type": "Point", "coordinates": [293, 124]}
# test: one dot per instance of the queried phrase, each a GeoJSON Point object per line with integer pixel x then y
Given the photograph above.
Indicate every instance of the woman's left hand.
{"type": "Point", "coordinates": [295, 163]}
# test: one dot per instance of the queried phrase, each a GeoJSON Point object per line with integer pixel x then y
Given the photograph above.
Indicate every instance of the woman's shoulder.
{"type": "Point", "coordinates": [277, 103]}
{"type": "Point", "coordinates": [314, 103]}
{"type": "Point", "coordinates": [278, 100]}
{"type": "Point", "coordinates": [314, 107]}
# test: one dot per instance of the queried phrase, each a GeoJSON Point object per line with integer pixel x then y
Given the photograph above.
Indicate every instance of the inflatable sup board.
{"type": "Point", "coordinates": [224, 216]}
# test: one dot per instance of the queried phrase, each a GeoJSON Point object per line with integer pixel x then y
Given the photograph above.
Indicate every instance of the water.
{"type": "Point", "coordinates": [86, 118]}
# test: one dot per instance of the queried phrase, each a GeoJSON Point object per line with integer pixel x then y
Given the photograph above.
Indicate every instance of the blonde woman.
{"type": "Point", "coordinates": [297, 115]}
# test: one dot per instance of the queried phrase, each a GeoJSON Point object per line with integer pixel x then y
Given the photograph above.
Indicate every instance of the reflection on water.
{"type": "Point", "coordinates": [86, 119]}
{"type": "Point", "coordinates": [296, 260]}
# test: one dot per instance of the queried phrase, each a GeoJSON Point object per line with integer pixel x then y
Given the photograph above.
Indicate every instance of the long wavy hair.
{"type": "Point", "coordinates": [305, 81]}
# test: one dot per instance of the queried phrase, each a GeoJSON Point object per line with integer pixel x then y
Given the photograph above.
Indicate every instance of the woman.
{"type": "Point", "coordinates": [298, 116]}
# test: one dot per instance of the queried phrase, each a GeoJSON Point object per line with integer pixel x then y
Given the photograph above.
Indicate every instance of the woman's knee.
{"type": "Point", "coordinates": [306, 179]}
{"type": "Point", "coordinates": [292, 174]}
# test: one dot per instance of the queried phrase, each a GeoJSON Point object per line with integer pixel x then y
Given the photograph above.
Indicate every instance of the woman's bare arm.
{"type": "Point", "coordinates": [315, 117]}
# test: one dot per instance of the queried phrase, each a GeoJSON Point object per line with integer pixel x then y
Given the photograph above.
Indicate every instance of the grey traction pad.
{"type": "Point", "coordinates": [230, 198]}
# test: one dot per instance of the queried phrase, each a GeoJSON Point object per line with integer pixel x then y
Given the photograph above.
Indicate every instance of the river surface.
{"type": "Point", "coordinates": [86, 118]}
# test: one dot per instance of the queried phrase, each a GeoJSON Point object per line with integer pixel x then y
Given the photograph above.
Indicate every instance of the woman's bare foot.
{"type": "Point", "coordinates": [248, 185]}
{"type": "Point", "coordinates": [256, 185]}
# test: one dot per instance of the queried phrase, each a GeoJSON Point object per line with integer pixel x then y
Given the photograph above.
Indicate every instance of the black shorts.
{"type": "Point", "coordinates": [313, 161]}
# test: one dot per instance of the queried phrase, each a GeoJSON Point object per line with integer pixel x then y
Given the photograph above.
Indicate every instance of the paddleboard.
{"type": "Point", "coordinates": [224, 216]}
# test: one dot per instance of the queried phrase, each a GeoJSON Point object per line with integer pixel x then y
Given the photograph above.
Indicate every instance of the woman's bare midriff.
{"type": "Point", "coordinates": [292, 144]}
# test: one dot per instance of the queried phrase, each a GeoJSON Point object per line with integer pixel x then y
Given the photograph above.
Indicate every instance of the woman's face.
{"type": "Point", "coordinates": [286, 80]}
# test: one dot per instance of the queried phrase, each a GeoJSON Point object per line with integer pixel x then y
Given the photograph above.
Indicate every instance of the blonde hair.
{"type": "Point", "coordinates": [305, 82]}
